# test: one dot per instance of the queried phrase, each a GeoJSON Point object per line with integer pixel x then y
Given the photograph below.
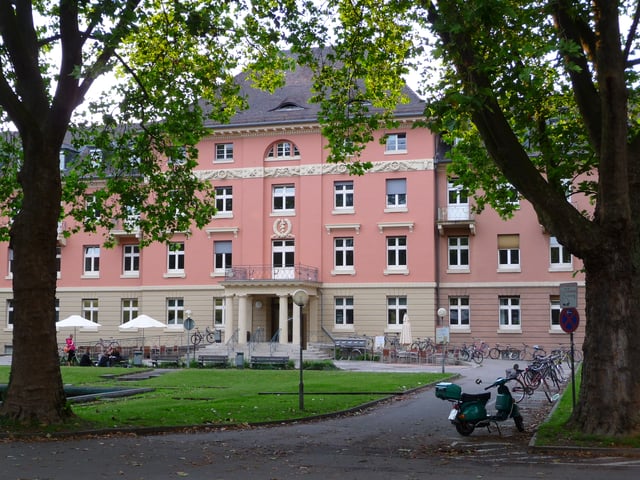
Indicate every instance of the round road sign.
{"type": "Point", "coordinates": [569, 319]}
{"type": "Point", "coordinates": [189, 323]}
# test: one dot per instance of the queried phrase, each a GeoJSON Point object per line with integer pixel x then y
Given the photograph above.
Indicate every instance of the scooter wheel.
{"type": "Point", "coordinates": [519, 423]}
{"type": "Point", "coordinates": [465, 428]}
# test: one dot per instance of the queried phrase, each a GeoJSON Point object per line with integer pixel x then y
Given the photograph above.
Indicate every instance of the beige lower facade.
{"type": "Point", "coordinates": [264, 312]}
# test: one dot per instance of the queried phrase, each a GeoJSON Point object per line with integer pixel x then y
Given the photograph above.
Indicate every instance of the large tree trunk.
{"type": "Point", "coordinates": [609, 402]}
{"type": "Point", "coordinates": [35, 393]}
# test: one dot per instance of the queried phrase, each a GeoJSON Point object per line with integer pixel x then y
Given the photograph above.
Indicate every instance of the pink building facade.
{"type": "Point", "coordinates": [398, 242]}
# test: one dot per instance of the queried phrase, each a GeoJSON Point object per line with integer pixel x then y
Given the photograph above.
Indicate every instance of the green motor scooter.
{"type": "Point", "coordinates": [470, 409]}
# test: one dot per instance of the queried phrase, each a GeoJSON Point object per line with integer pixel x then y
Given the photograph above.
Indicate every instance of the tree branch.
{"type": "Point", "coordinates": [571, 28]}
{"type": "Point", "coordinates": [20, 41]}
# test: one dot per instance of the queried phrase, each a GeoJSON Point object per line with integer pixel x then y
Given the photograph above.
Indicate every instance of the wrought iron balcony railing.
{"type": "Point", "coordinates": [269, 272]}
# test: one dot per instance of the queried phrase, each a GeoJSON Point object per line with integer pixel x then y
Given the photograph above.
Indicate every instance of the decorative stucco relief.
{"type": "Point", "coordinates": [315, 169]}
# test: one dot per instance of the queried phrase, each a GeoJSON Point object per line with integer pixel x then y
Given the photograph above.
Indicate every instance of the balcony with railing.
{"type": "Point", "coordinates": [456, 218]}
{"type": "Point", "coordinates": [245, 273]}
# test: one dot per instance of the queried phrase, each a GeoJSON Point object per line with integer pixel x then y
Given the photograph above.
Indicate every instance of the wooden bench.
{"type": "Point", "coordinates": [174, 359]}
{"type": "Point", "coordinates": [215, 360]}
{"type": "Point", "coordinates": [351, 347]}
{"type": "Point", "coordinates": [271, 362]}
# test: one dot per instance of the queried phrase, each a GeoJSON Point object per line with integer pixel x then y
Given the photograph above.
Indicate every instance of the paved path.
{"type": "Point", "coordinates": [404, 438]}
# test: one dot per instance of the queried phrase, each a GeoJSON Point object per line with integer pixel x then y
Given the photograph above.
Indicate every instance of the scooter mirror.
{"type": "Point", "coordinates": [478, 381]}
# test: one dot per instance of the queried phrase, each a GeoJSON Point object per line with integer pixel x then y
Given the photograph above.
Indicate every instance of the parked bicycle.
{"type": "Point", "coordinates": [104, 344]}
{"type": "Point", "coordinates": [504, 353]}
{"type": "Point", "coordinates": [470, 352]}
{"type": "Point", "coordinates": [209, 335]}
{"type": "Point", "coordinates": [423, 345]}
{"type": "Point", "coordinates": [531, 353]}
{"type": "Point", "coordinates": [564, 352]}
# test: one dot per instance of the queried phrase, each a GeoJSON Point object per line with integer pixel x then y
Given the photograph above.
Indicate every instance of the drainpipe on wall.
{"type": "Point", "coordinates": [437, 235]}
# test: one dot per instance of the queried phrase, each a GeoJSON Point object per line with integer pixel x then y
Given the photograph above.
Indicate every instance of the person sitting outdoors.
{"type": "Point", "coordinates": [85, 360]}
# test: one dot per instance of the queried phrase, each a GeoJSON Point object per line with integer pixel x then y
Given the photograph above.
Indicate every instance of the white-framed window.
{"type": "Point", "coordinates": [224, 201]}
{"type": "Point", "coordinates": [512, 193]}
{"type": "Point", "coordinates": [10, 263]}
{"type": "Point", "coordinates": [218, 311]}
{"type": "Point", "coordinates": [396, 190]}
{"type": "Point", "coordinates": [554, 313]}
{"type": "Point", "coordinates": [58, 261]}
{"type": "Point", "coordinates": [343, 196]}
{"type": "Point", "coordinates": [458, 249]}
{"type": "Point", "coordinates": [396, 142]}
{"type": "Point", "coordinates": [131, 260]}
{"type": "Point", "coordinates": [10, 313]}
{"type": "Point", "coordinates": [396, 310]}
{"type": "Point", "coordinates": [91, 261]}
{"type": "Point", "coordinates": [509, 252]}
{"type": "Point", "coordinates": [222, 256]}
{"type": "Point", "coordinates": [178, 155]}
{"type": "Point", "coordinates": [559, 256]}
{"type": "Point", "coordinates": [459, 313]}
{"type": "Point", "coordinates": [90, 309]}
{"type": "Point", "coordinates": [283, 259]}
{"type": "Point", "coordinates": [283, 198]}
{"type": "Point", "coordinates": [224, 152]}
{"type": "Point", "coordinates": [175, 258]}
{"type": "Point", "coordinates": [509, 313]}
{"type": "Point", "coordinates": [343, 312]}
{"type": "Point", "coordinates": [343, 253]}
{"type": "Point", "coordinates": [282, 150]}
{"type": "Point", "coordinates": [129, 309]}
{"type": "Point", "coordinates": [175, 311]}
{"type": "Point", "coordinates": [397, 253]}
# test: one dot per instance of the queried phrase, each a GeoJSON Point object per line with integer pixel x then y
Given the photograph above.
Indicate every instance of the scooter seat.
{"type": "Point", "coordinates": [476, 397]}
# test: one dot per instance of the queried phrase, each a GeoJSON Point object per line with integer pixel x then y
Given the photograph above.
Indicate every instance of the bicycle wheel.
{"type": "Point", "coordinates": [518, 390]}
{"type": "Point", "coordinates": [513, 354]}
{"type": "Point", "coordinates": [464, 354]}
{"type": "Point", "coordinates": [494, 353]}
{"type": "Point", "coordinates": [211, 338]}
{"type": "Point", "coordinates": [477, 357]}
{"type": "Point", "coordinates": [196, 339]}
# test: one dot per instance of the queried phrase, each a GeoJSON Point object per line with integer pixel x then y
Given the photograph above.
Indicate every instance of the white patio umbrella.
{"type": "Point", "coordinates": [77, 321]}
{"type": "Point", "coordinates": [142, 322]}
{"type": "Point", "coordinates": [406, 337]}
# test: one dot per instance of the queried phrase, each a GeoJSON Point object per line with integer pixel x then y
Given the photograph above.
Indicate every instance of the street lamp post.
{"type": "Point", "coordinates": [188, 324]}
{"type": "Point", "coordinates": [442, 312]}
{"type": "Point", "coordinates": [300, 298]}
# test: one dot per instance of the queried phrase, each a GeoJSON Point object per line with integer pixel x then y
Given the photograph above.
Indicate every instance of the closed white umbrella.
{"type": "Point", "coordinates": [406, 337]}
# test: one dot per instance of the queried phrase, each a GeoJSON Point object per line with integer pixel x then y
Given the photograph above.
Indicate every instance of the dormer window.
{"type": "Point", "coordinates": [287, 107]}
{"type": "Point", "coordinates": [282, 150]}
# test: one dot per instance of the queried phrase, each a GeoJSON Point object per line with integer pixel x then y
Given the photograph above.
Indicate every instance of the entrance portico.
{"type": "Point", "coordinates": [265, 311]}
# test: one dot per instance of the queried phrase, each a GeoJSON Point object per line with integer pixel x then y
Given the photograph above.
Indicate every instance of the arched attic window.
{"type": "Point", "coordinates": [282, 150]}
{"type": "Point", "coordinates": [287, 107]}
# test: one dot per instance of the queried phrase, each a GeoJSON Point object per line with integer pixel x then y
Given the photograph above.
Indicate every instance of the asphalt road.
{"type": "Point", "coordinates": [405, 438]}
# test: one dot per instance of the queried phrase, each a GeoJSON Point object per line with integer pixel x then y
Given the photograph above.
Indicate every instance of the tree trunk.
{"type": "Point", "coordinates": [35, 394]}
{"type": "Point", "coordinates": [609, 399]}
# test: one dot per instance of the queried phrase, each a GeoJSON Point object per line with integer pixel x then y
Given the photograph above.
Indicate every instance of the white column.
{"type": "Point", "coordinates": [283, 325]}
{"type": "Point", "coordinates": [228, 318]}
{"type": "Point", "coordinates": [296, 325]}
{"type": "Point", "coordinates": [243, 308]}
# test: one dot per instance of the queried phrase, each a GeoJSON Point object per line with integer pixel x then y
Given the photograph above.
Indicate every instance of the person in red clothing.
{"type": "Point", "coordinates": [70, 348]}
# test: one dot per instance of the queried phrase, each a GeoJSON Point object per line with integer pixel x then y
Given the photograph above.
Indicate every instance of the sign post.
{"type": "Point", "coordinates": [569, 321]}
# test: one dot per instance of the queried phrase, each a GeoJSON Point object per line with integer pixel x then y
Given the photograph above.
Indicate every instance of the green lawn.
{"type": "Point", "coordinates": [229, 396]}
